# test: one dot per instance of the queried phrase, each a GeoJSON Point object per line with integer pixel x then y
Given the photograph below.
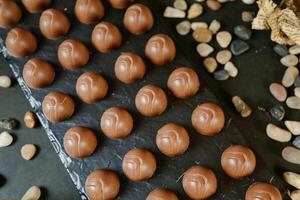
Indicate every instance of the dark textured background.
{"type": "Point", "coordinates": [258, 68]}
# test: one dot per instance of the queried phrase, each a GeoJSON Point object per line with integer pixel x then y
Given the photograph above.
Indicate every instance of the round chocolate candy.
{"type": "Point", "coordinates": [120, 4]}
{"type": "Point", "coordinates": [89, 11]}
{"type": "Point", "coordinates": [139, 164]}
{"type": "Point", "coordinates": [58, 106]}
{"type": "Point", "coordinates": [129, 68]}
{"type": "Point", "coordinates": [20, 42]}
{"type": "Point", "coordinates": [54, 23]}
{"type": "Point", "coordinates": [91, 87]}
{"type": "Point", "coordinates": [73, 54]}
{"type": "Point", "coordinates": [10, 13]}
{"type": "Point", "coordinates": [36, 6]}
{"type": "Point", "coordinates": [183, 82]}
{"type": "Point", "coordinates": [138, 19]}
{"type": "Point", "coordinates": [38, 73]}
{"type": "Point", "coordinates": [80, 142]}
{"type": "Point", "coordinates": [238, 161]}
{"type": "Point", "coordinates": [199, 182]}
{"type": "Point", "coordinates": [162, 194]}
{"type": "Point", "coordinates": [151, 100]}
{"type": "Point", "coordinates": [102, 184]}
{"type": "Point", "coordinates": [172, 140]}
{"type": "Point", "coordinates": [116, 123]}
{"type": "Point", "coordinates": [106, 37]}
{"type": "Point", "coordinates": [208, 119]}
{"type": "Point", "coordinates": [160, 49]}
{"type": "Point", "coordinates": [263, 191]}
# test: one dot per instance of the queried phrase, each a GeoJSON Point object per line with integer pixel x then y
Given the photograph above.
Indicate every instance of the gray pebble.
{"type": "Point", "coordinates": [278, 112]}
{"type": "Point", "coordinates": [221, 75]}
{"type": "Point", "coordinates": [296, 142]}
{"type": "Point", "coordinates": [281, 50]}
{"type": "Point", "coordinates": [8, 124]}
{"type": "Point", "coordinates": [242, 32]}
{"type": "Point", "coordinates": [239, 47]}
{"type": "Point", "coordinates": [297, 82]}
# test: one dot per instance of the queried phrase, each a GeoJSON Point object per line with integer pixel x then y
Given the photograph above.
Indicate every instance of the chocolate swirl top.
{"type": "Point", "coordinates": [138, 19]}
{"type": "Point", "coordinates": [58, 106]}
{"type": "Point", "coordinates": [263, 191]}
{"type": "Point", "coordinates": [10, 13]}
{"type": "Point", "coordinates": [160, 49]}
{"type": "Point", "coordinates": [183, 82]}
{"type": "Point", "coordinates": [208, 119]}
{"type": "Point", "coordinates": [36, 6]}
{"type": "Point", "coordinates": [238, 161]}
{"type": "Point", "coordinates": [89, 11]}
{"type": "Point", "coordinates": [129, 68]}
{"type": "Point", "coordinates": [139, 164]}
{"type": "Point", "coordinates": [102, 184]}
{"type": "Point", "coordinates": [80, 142]}
{"type": "Point", "coordinates": [162, 194]}
{"type": "Point", "coordinates": [116, 123]}
{"type": "Point", "coordinates": [199, 182]}
{"type": "Point", "coordinates": [73, 54]}
{"type": "Point", "coordinates": [172, 140]}
{"type": "Point", "coordinates": [151, 100]}
{"type": "Point", "coordinates": [54, 23]}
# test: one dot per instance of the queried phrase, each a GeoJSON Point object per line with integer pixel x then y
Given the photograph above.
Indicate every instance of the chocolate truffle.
{"type": "Point", "coordinates": [38, 73]}
{"type": "Point", "coordinates": [263, 191]}
{"type": "Point", "coordinates": [151, 101]}
{"type": "Point", "coordinates": [139, 164]}
{"type": "Point", "coordinates": [36, 6]}
{"type": "Point", "coordinates": [10, 13]}
{"type": "Point", "coordinates": [162, 194]}
{"type": "Point", "coordinates": [183, 82]}
{"type": "Point", "coordinates": [58, 106]}
{"type": "Point", "coordinates": [106, 37]}
{"type": "Point", "coordinates": [116, 123]}
{"type": "Point", "coordinates": [160, 49]}
{"type": "Point", "coordinates": [199, 182]}
{"type": "Point", "coordinates": [138, 19]}
{"type": "Point", "coordinates": [102, 184]}
{"type": "Point", "coordinates": [91, 87]}
{"type": "Point", "coordinates": [208, 119]}
{"type": "Point", "coordinates": [172, 140]}
{"type": "Point", "coordinates": [80, 142]}
{"type": "Point", "coordinates": [73, 54]}
{"type": "Point", "coordinates": [89, 11]}
{"type": "Point", "coordinates": [129, 68]}
{"type": "Point", "coordinates": [120, 4]}
{"type": "Point", "coordinates": [238, 161]}
{"type": "Point", "coordinates": [54, 23]}
{"type": "Point", "coordinates": [20, 42]}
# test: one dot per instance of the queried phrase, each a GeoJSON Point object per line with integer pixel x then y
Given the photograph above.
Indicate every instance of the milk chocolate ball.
{"type": "Point", "coordinates": [89, 11]}
{"type": "Point", "coordinates": [238, 161]}
{"type": "Point", "coordinates": [129, 68]}
{"type": "Point", "coordinates": [102, 184]}
{"type": "Point", "coordinates": [116, 123]}
{"type": "Point", "coordinates": [138, 19]}
{"type": "Point", "coordinates": [162, 194]}
{"type": "Point", "coordinates": [106, 37]}
{"type": "Point", "coordinates": [58, 106]}
{"type": "Point", "coordinates": [80, 142]}
{"type": "Point", "coordinates": [73, 54]}
{"type": "Point", "coordinates": [38, 73]}
{"type": "Point", "coordinates": [36, 6]}
{"type": "Point", "coordinates": [160, 49]}
{"type": "Point", "coordinates": [139, 164]}
{"type": "Point", "coordinates": [263, 191]}
{"type": "Point", "coordinates": [10, 13]}
{"type": "Point", "coordinates": [208, 119]}
{"type": "Point", "coordinates": [54, 23]}
{"type": "Point", "coordinates": [199, 182]}
{"type": "Point", "coordinates": [120, 4]}
{"type": "Point", "coordinates": [91, 87]}
{"type": "Point", "coordinates": [20, 42]}
{"type": "Point", "coordinates": [183, 82]}
{"type": "Point", "coordinates": [172, 140]}
{"type": "Point", "coordinates": [151, 101]}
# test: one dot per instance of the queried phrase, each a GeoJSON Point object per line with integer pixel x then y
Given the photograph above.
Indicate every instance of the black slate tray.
{"type": "Point", "coordinates": [203, 150]}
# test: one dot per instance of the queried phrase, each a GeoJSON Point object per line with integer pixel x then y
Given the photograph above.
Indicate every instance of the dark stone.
{"type": "Point", "coordinates": [221, 75]}
{"type": "Point", "coordinates": [296, 142]}
{"type": "Point", "coordinates": [297, 82]}
{"type": "Point", "coordinates": [281, 50]}
{"type": "Point", "coordinates": [242, 32]}
{"type": "Point", "coordinates": [278, 112]}
{"type": "Point", "coordinates": [239, 47]}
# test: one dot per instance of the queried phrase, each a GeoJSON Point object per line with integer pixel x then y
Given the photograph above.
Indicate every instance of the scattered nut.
{"type": "Point", "coordinates": [30, 119]}
{"type": "Point", "coordinates": [278, 134]}
{"type": "Point", "coordinates": [291, 154]}
{"type": "Point", "coordinates": [241, 106]}
{"type": "Point", "coordinates": [28, 151]}
{"type": "Point", "coordinates": [33, 193]}
{"type": "Point", "coordinates": [292, 178]}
